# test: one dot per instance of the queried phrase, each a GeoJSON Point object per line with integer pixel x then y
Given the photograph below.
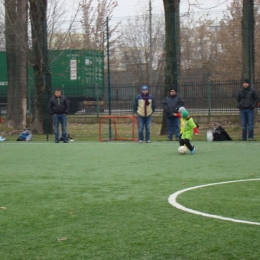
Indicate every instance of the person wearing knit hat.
{"type": "Point", "coordinates": [247, 100]}
{"type": "Point", "coordinates": [144, 87]}
{"type": "Point", "coordinates": [181, 121]}
{"type": "Point", "coordinates": [144, 106]}
{"type": "Point", "coordinates": [184, 114]}
{"type": "Point", "coordinates": [171, 104]}
{"type": "Point", "coordinates": [190, 127]}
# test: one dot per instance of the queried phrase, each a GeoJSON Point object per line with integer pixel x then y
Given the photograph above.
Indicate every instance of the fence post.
{"type": "Point", "coordinates": [108, 78]}
{"type": "Point", "coordinates": [46, 79]}
{"type": "Point", "coordinates": [133, 98]}
{"type": "Point", "coordinates": [97, 104]}
{"type": "Point", "coordinates": [209, 96]}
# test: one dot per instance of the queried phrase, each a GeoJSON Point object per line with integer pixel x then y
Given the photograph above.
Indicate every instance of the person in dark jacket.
{"type": "Point", "coordinates": [246, 102]}
{"type": "Point", "coordinates": [58, 106]}
{"type": "Point", "coordinates": [171, 104]}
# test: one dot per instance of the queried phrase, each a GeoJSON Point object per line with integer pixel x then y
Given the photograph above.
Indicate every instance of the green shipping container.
{"type": "Point", "coordinates": [78, 73]}
{"type": "Point", "coordinates": [3, 77]}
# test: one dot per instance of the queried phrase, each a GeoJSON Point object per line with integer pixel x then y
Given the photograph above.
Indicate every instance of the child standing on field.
{"type": "Point", "coordinates": [189, 128]}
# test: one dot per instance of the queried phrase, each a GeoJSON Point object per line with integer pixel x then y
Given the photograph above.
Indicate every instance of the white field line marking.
{"type": "Point", "coordinates": [173, 202]}
{"type": "Point", "coordinates": [84, 142]}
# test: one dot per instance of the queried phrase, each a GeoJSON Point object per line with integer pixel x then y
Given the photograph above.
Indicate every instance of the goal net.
{"type": "Point", "coordinates": [118, 128]}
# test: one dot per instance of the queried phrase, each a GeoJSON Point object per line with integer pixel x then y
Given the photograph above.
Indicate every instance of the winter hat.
{"type": "Point", "coordinates": [246, 81]}
{"type": "Point", "coordinates": [181, 109]}
{"type": "Point", "coordinates": [184, 114]}
{"type": "Point", "coordinates": [144, 87]}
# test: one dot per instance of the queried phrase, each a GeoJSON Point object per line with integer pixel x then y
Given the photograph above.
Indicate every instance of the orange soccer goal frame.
{"type": "Point", "coordinates": [133, 120]}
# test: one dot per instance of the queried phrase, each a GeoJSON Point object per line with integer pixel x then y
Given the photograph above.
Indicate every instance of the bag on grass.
{"type": "Point", "coordinates": [69, 137]}
{"type": "Point", "coordinates": [220, 134]}
{"type": "Point", "coordinates": [209, 135]}
{"type": "Point", "coordinates": [26, 135]}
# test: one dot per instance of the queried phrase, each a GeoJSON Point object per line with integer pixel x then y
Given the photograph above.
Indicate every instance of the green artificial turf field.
{"type": "Point", "coordinates": [109, 201]}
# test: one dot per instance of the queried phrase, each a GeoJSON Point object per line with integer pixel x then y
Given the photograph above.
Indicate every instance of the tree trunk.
{"type": "Point", "coordinates": [42, 92]}
{"type": "Point", "coordinates": [248, 46]}
{"type": "Point", "coordinates": [16, 22]}
{"type": "Point", "coordinates": [172, 50]}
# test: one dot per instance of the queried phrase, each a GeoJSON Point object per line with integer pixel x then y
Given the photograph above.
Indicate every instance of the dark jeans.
{"type": "Point", "coordinates": [187, 143]}
{"type": "Point", "coordinates": [60, 118]}
{"type": "Point", "coordinates": [144, 122]}
{"type": "Point", "coordinates": [173, 122]}
{"type": "Point", "coordinates": [247, 121]}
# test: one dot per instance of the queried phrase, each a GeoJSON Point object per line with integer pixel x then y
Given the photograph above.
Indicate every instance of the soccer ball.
{"type": "Point", "coordinates": [182, 149]}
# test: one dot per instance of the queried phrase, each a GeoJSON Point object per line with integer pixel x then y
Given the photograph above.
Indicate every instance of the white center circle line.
{"type": "Point", "coordinates": [173, 202]}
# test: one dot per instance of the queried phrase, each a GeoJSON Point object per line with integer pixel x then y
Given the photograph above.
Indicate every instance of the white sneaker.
{"type": "Point", "coordinates": [1, 139]}
{"type": "Point", "coordinates": [148, 141]}
{"type": "Point", "coordinates": [140, 141]}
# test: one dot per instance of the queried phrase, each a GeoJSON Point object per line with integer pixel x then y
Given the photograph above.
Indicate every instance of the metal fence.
{"type": "Point", "coordinates": [135, 52]}
{"type": "Point", "coordinates": [206, 97]}
{"type": "Point", "coordinates": [210, 97]}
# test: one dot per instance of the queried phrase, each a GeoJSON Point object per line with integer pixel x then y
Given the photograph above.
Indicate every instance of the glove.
{"type": "Point", "coordinates": [258, 105]}
{"type": "Point", "coordinates": [178, 115]}
{"type": "Point", "coordinates": [196, 130]}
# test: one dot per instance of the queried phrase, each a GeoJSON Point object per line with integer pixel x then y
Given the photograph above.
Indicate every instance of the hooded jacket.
{"type": "Point", "coordinates": [247, 98]}
{"type": "Point", "coordinates": [171, 104]}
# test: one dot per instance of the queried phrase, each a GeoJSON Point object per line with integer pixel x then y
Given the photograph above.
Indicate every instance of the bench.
{"type": "Point", "coordinates": [91, 106]}
{"type": "Point", "coordinates": [93, 103]}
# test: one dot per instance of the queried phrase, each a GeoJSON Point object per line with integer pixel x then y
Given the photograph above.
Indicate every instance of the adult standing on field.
{"type": "Point", "coordinates": [247, 100]}
{"type": "Point", "coordinates": [58, 106]}
{"type": "Point", "coordinates": [144, 106]}
{"type": "Point", "coordinates": [171, 105]}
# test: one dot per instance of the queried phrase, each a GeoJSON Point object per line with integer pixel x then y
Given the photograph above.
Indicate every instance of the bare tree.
{"type": "Point", "coordinates": [62, 31]}
{"type": "Point", "coordinates": [16, 24]}
{"type": "Point", "coordinates": [42, 91]}
{"type": "Point", "coordinates": [134, 48]}
{"type": "Point", "coordinates": [198, 46]}
{"type": "Point", "coordinates": [94, 22]}
{"type": "Point", "coordinates": [248, 46]}
{"type": "Point", "coordinates": [172, 49]}
{"type": "Point", "coordinates": [2, 25]}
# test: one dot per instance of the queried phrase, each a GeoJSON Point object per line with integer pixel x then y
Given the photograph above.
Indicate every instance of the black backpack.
{"type": "Point", "coordinates": [219, 134]}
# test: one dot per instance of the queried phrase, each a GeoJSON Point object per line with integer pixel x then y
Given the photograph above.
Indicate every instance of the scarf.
{"type": "Point", "coordinates": [145, 97]}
